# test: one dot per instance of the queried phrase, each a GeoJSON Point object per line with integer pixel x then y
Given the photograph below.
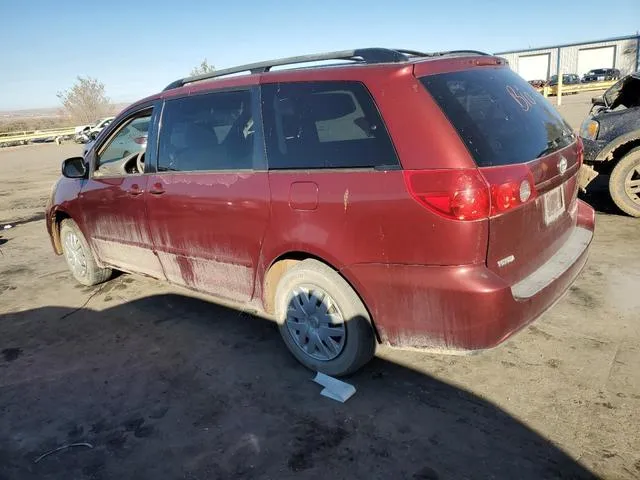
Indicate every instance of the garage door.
{"type": "Point", "coordinates": [592, 58]}
{"type": "Point", "coordinates": [534, 67]}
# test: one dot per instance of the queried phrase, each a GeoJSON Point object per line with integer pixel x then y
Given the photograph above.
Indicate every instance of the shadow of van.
{"type": "Point", "coordinates": [169, 386]}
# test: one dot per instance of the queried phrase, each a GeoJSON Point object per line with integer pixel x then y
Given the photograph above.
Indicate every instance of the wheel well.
{"type": "Point", "coordinates": [284, 263]}
{"type": "Point", "coordinates": [55, 229]}
{"type": "Point", "coordinates": [615, 155]}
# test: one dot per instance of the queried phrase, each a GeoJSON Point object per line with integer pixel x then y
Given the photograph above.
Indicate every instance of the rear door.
{"type": "Point", "coordinates": [208, 202]}
{"type": "Point", "coordinates": [527, 153]}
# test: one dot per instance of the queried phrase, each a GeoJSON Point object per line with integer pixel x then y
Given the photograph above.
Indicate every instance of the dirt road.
{"type": "Point", "coordinates": [164, 385]}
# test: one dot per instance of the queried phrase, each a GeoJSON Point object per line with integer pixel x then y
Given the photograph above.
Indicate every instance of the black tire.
{"type": "Point", "coordinates": [629, 165]}
{"type": "Point", "coordinates": [359, 342]}
{"type": "Point", "coordinates": [91, 274]}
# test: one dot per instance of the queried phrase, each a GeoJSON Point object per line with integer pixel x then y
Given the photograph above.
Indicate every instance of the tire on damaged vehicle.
{"type": "Point", "coordinates": [624, 183]}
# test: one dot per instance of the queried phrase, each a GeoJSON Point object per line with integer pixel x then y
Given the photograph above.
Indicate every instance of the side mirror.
{"type": "Point", "coordinates": [74, 167]}
{"type": "Point", "coordinates": [598, 101]}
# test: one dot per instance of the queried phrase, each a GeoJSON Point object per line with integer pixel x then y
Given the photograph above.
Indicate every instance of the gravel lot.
{"type": "Point", "coordinates": [163, 384]}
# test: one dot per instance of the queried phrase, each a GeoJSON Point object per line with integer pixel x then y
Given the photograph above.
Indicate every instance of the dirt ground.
{"type": "Point", "coordinates": [164, 385]}
{"type": "Point", "coordinates": [574, 108]}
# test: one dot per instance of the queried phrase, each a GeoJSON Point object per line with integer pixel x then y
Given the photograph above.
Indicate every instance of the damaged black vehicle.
{"type": "Point", "coordinates": [611, 136]}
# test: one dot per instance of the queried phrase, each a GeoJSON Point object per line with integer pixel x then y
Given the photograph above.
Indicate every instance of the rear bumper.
{"type": "Point", "coordinates": [462, 308]}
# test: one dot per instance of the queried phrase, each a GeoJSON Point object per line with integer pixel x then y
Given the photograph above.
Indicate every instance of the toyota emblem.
{"type": "Point", "coordinates": [562, 165]}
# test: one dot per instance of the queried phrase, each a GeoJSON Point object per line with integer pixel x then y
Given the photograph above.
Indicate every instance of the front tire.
{"type": "Point", "coordinates": [322, 320]}
{"type": "Point", "coordinates": [79, 256]}
{"type": "Point", "coordinates": [624, 183]}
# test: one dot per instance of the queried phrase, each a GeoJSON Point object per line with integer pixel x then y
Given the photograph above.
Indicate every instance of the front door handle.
{"type": "Point", "coordinates": [156, 189]}
{"type": "Point", "coordinates": [134, 190]}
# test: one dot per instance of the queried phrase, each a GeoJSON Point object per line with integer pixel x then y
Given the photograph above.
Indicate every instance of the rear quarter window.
{"type": "Point", "coordinates": [499, 116]}
{"type": "Point", "coordinates": [324, 125]}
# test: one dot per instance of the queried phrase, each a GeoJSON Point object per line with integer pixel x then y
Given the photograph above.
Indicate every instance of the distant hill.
{"type": "Point", "coordinates": [37, 113]}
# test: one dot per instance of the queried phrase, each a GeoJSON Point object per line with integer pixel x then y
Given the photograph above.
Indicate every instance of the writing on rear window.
{"type": "Point", "coordinates": [493, 111]}
{"type": "Point", "coordinates": [524, 99]}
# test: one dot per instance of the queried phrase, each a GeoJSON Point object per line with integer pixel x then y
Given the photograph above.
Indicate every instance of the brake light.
{"type": "Point", "coordinates": [456, 194]}
{"type": "Point", "coordinates": [472, 194]}
{"type": "Point", "coordinates": [140, 140]}
{"type": "Point", "coordinates": [510, 187]}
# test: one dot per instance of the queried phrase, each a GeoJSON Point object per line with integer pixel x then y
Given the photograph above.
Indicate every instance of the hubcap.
{"type": "Point", "coordinates": [315, 323]}
{"type": "Point", "coordinates": [632, 184]}
{"type": "Point", "coordinates": [74, 254]}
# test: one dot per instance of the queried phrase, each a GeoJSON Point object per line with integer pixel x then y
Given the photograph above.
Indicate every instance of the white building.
{"type": "Point", "coordinates": [622, 53]}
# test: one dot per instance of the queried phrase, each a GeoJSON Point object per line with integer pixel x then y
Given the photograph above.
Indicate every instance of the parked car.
{"type": "Point", "coordinates": [82, 128]}
{"type": "Point", "coordinates": [82, 134]}
{"type": "Point", "coordinates": [611, 136]}
{"type": "Point", "coordinates": [98, 127]}
{"type": "Point", "coordinates": [537, 83]}
{"type": "Point", "coordinates": [601, 75]}
{"type": "Point", "coordinates": [567, 79]}
{"type": "Point", "coordinates": [418, 200]}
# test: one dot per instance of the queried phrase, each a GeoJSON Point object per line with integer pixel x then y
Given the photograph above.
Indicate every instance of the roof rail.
{"type": "Point", "coordinates": [362, 55]}
{"type": "Point", "coordinates": [456, 52]}
{"type": "Point", "coordinates": [411, 53]}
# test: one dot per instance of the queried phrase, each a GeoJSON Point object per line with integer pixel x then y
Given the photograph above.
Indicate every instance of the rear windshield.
{"type": "Point", "coordinates": [499, 116]}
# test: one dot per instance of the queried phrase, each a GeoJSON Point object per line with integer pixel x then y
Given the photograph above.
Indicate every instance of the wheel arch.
{"type": "Point", "coordinates": [287, 260]}
{"type": "Point", "coordinates": [618, 148]}
{"type": "Point", "coordinates": [56, 218]}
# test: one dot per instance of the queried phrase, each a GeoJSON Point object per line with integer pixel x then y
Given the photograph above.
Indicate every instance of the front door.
{"type": "Point", "coordinates": [113, 197]}
{"type": "Point", "coordinates": [208, 203]}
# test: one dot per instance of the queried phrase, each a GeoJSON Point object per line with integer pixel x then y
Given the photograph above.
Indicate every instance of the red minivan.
{"type": "Point", "coordinates": [417, 200]}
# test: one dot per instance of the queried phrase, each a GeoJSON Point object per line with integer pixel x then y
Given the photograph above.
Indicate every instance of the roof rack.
{"type": "Point", "coordinates": [457, 52]}
{"type": "Point", "coordinates": [362, 55]}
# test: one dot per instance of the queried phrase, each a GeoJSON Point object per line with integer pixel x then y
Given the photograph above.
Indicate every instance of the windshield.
{"type": "Point", "coordinates": [625, 92]}
{"type": "Point", "coordinates": [499, 116]}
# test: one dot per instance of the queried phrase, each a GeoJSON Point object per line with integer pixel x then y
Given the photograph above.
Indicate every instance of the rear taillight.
{"type": "Point", "coordinates": [456, 194]}
{"type": "Point", "coordinates": [510, 186]}
{"type": "Point", "coordinates": [140, 140]}
{"type": "Point", "coordinates": [471, 194]}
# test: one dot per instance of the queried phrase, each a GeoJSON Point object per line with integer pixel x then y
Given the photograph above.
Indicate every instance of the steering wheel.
{"type": "Point", "coordinates": [140, 161]}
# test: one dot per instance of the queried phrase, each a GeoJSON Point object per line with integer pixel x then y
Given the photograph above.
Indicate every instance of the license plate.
{"type": "Point", "coordinates": [553, 204]}
{"type": "Point", "coordinates": [600, 79]}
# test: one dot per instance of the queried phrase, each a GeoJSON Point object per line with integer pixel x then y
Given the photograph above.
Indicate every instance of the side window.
{"type": "Point", "coordinates": [213, 131]}
{"type": "Point", "coordinates": [324, 125]}
{"type": "Point", "coordinates": [118, 156]}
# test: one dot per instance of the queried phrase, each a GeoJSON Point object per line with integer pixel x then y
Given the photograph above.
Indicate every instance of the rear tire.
{"type": "Point", "coordinates": [322, 320]}
{"type": "Point", "coordinates": [79, 257]}
{"type": "Point", "coordinates": [624, 183]}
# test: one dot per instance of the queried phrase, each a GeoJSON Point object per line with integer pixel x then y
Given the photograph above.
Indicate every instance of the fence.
{"type": "Point", "coordinates": [23, 137]}
{"type": "Point", "coordinates": [575, 88]}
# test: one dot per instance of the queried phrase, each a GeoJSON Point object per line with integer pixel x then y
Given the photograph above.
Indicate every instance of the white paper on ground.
{"type": "Point", "coordinates": [333, 388]}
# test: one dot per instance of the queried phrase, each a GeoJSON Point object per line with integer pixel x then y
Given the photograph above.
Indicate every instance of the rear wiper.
{"type": "Point", "coordinates": [556, 143]}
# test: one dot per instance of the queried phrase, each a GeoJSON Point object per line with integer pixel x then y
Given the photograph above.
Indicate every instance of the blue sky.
{"type": "Point", "coordinates": [136, 47]}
